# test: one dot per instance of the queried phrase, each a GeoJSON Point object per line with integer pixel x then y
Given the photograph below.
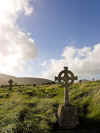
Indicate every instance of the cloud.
{"type": "Point", "coordinates": [16, 47]}
{"type": "Point", "coordinates": [84, 62]}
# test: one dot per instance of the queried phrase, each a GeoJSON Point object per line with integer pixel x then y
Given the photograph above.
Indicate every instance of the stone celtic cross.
{"type": "Point", "coordinates": [66, 78]}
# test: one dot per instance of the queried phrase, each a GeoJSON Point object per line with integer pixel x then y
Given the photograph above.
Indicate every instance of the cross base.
{"type": "Point", "coordinates": [67, 116]}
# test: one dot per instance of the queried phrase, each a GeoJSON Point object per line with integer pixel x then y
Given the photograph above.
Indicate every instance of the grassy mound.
{"type": "Point", "coordinates": [31, 109]}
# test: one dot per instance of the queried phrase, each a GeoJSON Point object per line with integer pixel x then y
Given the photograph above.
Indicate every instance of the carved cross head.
{"type": "Point", "coordinates": [66, 77]}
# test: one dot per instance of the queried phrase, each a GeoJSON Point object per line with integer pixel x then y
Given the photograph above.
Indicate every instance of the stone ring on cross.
{"type": "Point", "coordinates": [66, 77]}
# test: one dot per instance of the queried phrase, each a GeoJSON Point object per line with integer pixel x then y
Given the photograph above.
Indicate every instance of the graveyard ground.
{"type": "Point", "coordinates": [32, 109]}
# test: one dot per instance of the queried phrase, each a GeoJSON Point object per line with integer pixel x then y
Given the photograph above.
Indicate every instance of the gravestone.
{"type": "Point", "coordinates": [10, 84]}
{"type": "Point", "coordinates": [67, 113]}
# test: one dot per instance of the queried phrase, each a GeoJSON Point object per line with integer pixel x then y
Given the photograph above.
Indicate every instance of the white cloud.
{"type": "Point", "coordinates": [16, 47]}
{"type": "Point", "coordinates": [84, 62]}
{"type": "Point", "coordinates": [10, 9]}
{"type": "Point", "coordinates": [44, 63]}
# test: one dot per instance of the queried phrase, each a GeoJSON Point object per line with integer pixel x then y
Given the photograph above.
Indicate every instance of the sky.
{"type": "Point", "coordinates": [39, 37]}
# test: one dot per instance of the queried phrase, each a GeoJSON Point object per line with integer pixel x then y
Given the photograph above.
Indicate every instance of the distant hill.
{"type": "Point", "coordinates": [28, 80]}
{"type": "Point", "coordinates": [4, 79]}
{"type": "Point", "coordinates": [23, 80]}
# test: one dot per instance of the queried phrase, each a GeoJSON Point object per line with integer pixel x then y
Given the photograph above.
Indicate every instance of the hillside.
{"type": "Point", "coordinates": [4, 79]}
{"type": "Point", "coordinates": [29, 109]}
{"type": "Point", "coordinates": [23, 80]}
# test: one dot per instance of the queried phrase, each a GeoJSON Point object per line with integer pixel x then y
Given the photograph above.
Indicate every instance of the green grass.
{"type": "Point", "coordinates": [33, 108]}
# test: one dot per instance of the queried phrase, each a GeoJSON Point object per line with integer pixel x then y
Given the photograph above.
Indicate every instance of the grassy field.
{"type": "Point", "coordinates": [32, 109]}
